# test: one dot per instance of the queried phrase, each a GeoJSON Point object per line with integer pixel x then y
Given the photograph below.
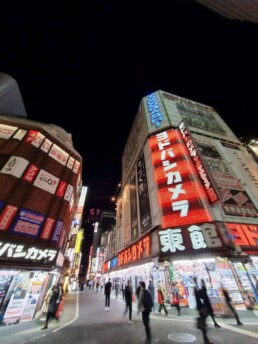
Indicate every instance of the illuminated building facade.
{"type": "Point", "coordinates": [40, 189]}
{"type": "Point", "coordinates": [188, 205]}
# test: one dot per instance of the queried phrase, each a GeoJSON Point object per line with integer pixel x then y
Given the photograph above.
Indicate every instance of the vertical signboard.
{"type": "Point", "coordinates": [133, 203]}
{"type": "Point", "coordinates": [126, 214]}
{"type": "Point", "coordinates": [177, 193]}
{"type": "Point", "coordinates": [143, 196]}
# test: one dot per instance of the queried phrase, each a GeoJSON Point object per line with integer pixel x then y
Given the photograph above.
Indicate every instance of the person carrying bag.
{"type": "Point", "coordinates": [175, 298]}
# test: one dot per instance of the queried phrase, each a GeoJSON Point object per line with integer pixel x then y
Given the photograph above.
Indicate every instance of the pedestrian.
{"type": "Point", "coordinates": [208, 304]}
{"type": "Point", "coordinates": [138, 289]}
{"type": "Point", "coordinates": [175, 298]}
{"type": "Point", "coordinates": [97, 287]}
{"type": "Point", "coordinates": [230, 305]}
{"type": "Point", "coordinates": [53, 305]}
{"type": "Point", "coordinates": [82, 283]}
{"type": "Point", "coordinates": [152, 291]}
{"type": "Point", "coordinates": [123, 290]}
{"type": "Point", "coordinates": [107, 292]}
{"type": "Point", "coordinates": [116, 289]}
{"type": "Point", "coordinates": [145, 305]}
{"type": "Point", "coordinates": [203, 313]}
{"type": "Point", "coordinates": [161, 300]}
{"type": "Point", "coordinates": [46, 304]}
{"type": "Point", "coordinates": [128, 300]}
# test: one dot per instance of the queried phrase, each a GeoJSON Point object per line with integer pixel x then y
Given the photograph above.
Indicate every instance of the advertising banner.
{"type": "Point", "coordinates": [46, 181]}
{"type": "Point", "coordinates": [179, 200]}
{"type": "Point", "coordinates": [133, 203]}
{"type": "Point", "coordinates": [143, 196]}
{"type": "Point", "coordinates": [126, 214]}
{"type": "Point", "coordinates": [27, 223]}
{"type": "Point", "coordinates": [15, 166]}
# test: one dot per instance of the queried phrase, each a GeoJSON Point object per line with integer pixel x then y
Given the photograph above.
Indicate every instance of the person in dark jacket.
{"type": "Point", "coordinates": [145, 305]}
{"type": "Point", "coordinates": [230, 305]}
{"type": "Point", "coordinates": [152, 291]}
{"type": "Point", "coordinates": [107, 292]}
{"type": "Point", "coordinates": [207, 303]}
{"type": "Point", "coordinates": [53, 305]}
{"type": "Point", "coordinates": [203, 313]}
{"type": "Point", "coordinates": [128, 301]}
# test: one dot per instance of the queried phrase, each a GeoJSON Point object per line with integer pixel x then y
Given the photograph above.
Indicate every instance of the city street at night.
{"type": "Point", "coordinates": [84, 320]}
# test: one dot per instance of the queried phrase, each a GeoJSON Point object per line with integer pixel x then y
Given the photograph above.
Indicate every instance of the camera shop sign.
{"type": "Point", "coordinates": [190, 239]}
{"type": "Point", "coordinates": [26, 254]}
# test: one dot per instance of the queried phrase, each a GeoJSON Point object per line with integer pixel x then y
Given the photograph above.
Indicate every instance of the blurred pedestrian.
{"type": "Point", "coordinates": [161, 298]}
{"type": "Point", "coordinates": [97, 287]}
{"type": "Point", "coordinates": [207, 303]}
{"type": "Point", "coordinates": [230, 305]}
{"type": "Point", "coordinates": [145, 305]}
{"type": "Point", "coordinates": [116, 289]}
{"type": "Point", "coordinates": [123, 290]}
{"type": "Point", "coordinates": [152, 291]}
{"type": "Point", "coordinates": [107, 292]}
{"type": "Point", "coordinates": [203, 313]}
{"type": "Point", "coordinates": [128, 301]}
{"type": "Point", "coordinates": [53, 305]}
{"type": "Point", "coordinates": [175, 298]}
{"type": "Point", "coordinates": [138, 289]}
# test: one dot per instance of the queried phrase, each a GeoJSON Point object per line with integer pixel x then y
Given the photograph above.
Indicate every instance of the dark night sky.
{"type": "Point", "coordinates": [76, 61]}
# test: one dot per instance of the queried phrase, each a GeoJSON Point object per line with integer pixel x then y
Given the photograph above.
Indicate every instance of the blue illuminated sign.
{"type": "Point", "coordinates": [113, 262]}
{"type": "Point", "coordinates": [155, 115]}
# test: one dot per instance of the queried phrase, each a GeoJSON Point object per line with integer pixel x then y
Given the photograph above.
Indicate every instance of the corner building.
{"type": "Point", "coordinates": [40, 186]}
{"type": "Point", "coordinates": [188, 205]}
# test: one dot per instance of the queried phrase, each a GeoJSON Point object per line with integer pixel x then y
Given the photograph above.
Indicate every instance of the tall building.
{"type": "Point", "coordinates": [41, 204]}
{"type": "Point", "coordinates": [188, 205]}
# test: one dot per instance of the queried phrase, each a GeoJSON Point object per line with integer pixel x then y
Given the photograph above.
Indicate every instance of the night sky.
{"type": "Point", "coordinates": [93, 61]}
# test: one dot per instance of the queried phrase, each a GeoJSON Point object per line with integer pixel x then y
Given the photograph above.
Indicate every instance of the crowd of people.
{"type": "Point", "coordinates": [145, 297]}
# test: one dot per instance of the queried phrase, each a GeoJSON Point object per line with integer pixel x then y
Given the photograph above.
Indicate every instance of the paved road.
{"type": "Point", "coordinates": [84, 321]}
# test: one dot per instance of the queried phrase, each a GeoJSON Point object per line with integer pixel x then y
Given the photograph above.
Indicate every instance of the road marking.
{"type": "Point", "coordinates": [239, 330]}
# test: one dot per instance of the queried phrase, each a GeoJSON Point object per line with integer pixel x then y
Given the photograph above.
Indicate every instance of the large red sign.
{"type": "Point", "coordinates": [178, 196]}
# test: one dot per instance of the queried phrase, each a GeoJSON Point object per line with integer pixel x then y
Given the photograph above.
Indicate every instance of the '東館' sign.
{"type": "Point", "coordinates": [191, 239]}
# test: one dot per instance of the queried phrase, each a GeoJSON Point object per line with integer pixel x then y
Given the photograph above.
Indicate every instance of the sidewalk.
{"type": "Point", "coordinates": [247, 314]}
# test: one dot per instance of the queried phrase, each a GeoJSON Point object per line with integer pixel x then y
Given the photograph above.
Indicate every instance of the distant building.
{"type": "Point", "coordinates": [11, 103]}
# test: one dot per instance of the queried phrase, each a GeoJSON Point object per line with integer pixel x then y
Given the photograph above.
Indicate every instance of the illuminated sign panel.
{"type": "Point", "coordinates": [155, 115]}
{"type": "Point", "coordinates": [198, 163]}
{"type": "Point", "coordinates": [193, 238]}
{"type": "Point", "coordinates": [27, 223]}
{"type": "Point", "coordinates": [12, 253]}
{"type": "Point", "coordinates": [244, 235]}
{"type": "Point", "coordinates": [177, 194]}
{"type": "Point", "coordinates": [135, 252]}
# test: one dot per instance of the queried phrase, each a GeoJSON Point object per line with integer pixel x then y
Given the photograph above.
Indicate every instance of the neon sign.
{"type": "Point", "coordinates": [204, 236]}
{"type": "Point", "coordinates": [177, 193]}
{"type": "Point", "coordinates": [153, 107]}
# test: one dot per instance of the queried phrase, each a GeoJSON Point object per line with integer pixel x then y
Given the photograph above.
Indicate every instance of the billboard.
{"type": "Point", "coordinates": [178, 195]}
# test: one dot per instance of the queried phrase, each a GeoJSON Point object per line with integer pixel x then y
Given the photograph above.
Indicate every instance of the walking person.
{"type": "Point", "coordinates": [128, 301]}
{"type": "Point", "coordinates": [230, 305]}
{"type": "Point", "coordinates": [152, 291]}
{"type": "Point", "coordinates": [208, 304]}
{"type": "Point", "coordinates": [138, 289]}
{"type": "Point", "coordinates": [161, 299]}
{"type": "Point", "coordinates": [53, 305]}
{"type": "Point", "coordinates": [116, 289]}
{"type": "Point", "coordinates": [107, 292]}
{"type": "Point", "coordinates": [123, 290]}
{"type": "Point", "coordinates": [97, 287]}
{"type": "Point", "coordinates": [145, 305]}
{"type": "Point", "coordinates": [175, 298]}
{"type": "Point", "coordinates": [203, 313]}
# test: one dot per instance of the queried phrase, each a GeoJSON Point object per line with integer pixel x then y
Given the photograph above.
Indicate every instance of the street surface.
{"type": "Point", "coordinates": [84, 321]}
